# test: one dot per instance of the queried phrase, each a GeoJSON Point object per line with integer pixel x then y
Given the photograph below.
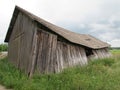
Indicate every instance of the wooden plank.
{"type": "Point", "coordinates": [47, 52]}
{"type": "Point", "coordinates": [34, 53]}
{"type": "Point", "coordinates": [69, 55]}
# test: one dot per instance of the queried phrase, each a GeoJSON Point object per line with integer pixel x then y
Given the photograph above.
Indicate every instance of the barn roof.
{"type": "Point", "coordinates": [81, 39]}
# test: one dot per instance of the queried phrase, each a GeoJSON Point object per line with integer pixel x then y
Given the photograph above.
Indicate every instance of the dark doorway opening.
{"type": "Point", "coordinates": [89, 53]}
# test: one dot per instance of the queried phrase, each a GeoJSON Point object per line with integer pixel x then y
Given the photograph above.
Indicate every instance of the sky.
{"type": "Point", "coordinates": [100, 18]}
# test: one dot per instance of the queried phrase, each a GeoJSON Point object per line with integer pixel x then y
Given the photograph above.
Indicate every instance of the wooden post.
{"type": "Point", "coordinates": [34, 53]}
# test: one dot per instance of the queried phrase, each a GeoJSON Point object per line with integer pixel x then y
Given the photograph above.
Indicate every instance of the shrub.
{"type": "Point", "coordinates": [3, 47]}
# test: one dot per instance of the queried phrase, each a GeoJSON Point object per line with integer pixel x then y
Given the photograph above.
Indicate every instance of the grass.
{"type": "Point", "coordinates": [97, 75]}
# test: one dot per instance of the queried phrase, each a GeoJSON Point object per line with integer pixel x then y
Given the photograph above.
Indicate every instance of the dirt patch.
{"type": "Point", "coordinates": [2, 88]}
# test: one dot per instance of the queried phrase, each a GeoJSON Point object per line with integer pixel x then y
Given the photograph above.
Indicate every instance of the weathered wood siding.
{"type": "Point", "coordinates": [46, 52]}
{"type": "Point", "coordinates": [69, 55]}
{"type": "Point", "coordinates": [101, 53]}
{"type": "Point", "coordinates": [53, 55]}
{"type": "Point", "coordinates": [20, 43]}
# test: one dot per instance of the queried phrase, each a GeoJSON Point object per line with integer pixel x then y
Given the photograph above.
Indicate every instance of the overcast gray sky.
{"type": "Point", "coordinates": [100, 18]}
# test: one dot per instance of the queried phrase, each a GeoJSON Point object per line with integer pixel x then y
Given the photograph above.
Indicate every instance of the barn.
{"type": "Point", "coordinates": [37, 45]}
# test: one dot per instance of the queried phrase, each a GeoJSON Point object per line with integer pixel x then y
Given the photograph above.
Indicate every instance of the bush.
{"type": "Point", "coordinates": [3, 47]}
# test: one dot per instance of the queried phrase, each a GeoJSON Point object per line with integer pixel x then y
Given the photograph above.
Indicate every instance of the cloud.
{"type": "Point", "coordinates": [115, 43]}
{"type": "Point", "coordinates": [100, 18]}
{"type": "Point", "coordinates": [106, 32]}
{"type": "Point", "coordinates": [68, 10]}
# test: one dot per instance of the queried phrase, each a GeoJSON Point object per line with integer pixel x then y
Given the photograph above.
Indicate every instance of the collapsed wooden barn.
{"type": "Point", "coordinates": [37, 45]}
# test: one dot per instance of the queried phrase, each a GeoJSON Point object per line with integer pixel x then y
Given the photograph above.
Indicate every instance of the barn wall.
{"type": "Point", "coordinates": [69, 55]}
{"type": "Point", "coordinates": [46, 52]}
{"type": "Point", "coordinates": [20, 43]}
{"type": "Point", "coordinates": [101, 53]}
{"type": "Point", "coordinates": [54, 55]}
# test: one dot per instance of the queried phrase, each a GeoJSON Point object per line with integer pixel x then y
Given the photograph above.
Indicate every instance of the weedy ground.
{"type": "Point", "coordinates": [102, 74]}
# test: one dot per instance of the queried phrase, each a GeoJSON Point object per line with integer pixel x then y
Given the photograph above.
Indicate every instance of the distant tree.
{"type": "Point", "coordinates": [115, 48]}
{"type": "Point", "coordinates": [3, 47]}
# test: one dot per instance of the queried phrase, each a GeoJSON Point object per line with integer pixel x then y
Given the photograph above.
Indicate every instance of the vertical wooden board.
{"type": "Point", "coordinates": [97, 52]}
{"type": "Point", "coordinates": [104, 54]}
{"type": "Point", "coordinates": [59, 57]}
{"type": "Point", "coordinates": [71, 61]}
{"type": "Point", "coordinates": [70, 55]}
{"type": "Point", "coordinates": [77, 56]}
{"type": "Point", "coordinates": [83, 56]}
{"type": "Point", "coordinates": [18, 52]}
{"type": "Point", "coordinates": [21, 52]}
{"type": "Point", "coordinates": [39, 46]}
{"type": "Point", "coordinates": [101, 53]}
{"type": "Point", "coordinates": [32, 61]}
{"type": "Point", "coordinates": [52, 52]}
{"type": "Point", "coordinates": [46, 53]}
{"type": "Point", "coordinates": [80, 56]}
{"type": "Point", "coordinates": [65, 54]}
{"type": "Point", "coordinates": [12, 52]}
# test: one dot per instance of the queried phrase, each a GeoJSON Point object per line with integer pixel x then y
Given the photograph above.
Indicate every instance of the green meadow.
{"type": "Point", "coordinates": [102, 74]}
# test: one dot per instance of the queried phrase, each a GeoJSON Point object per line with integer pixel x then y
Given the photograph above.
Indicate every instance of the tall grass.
{"type": "Point", "coordinates": [97, 75]}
